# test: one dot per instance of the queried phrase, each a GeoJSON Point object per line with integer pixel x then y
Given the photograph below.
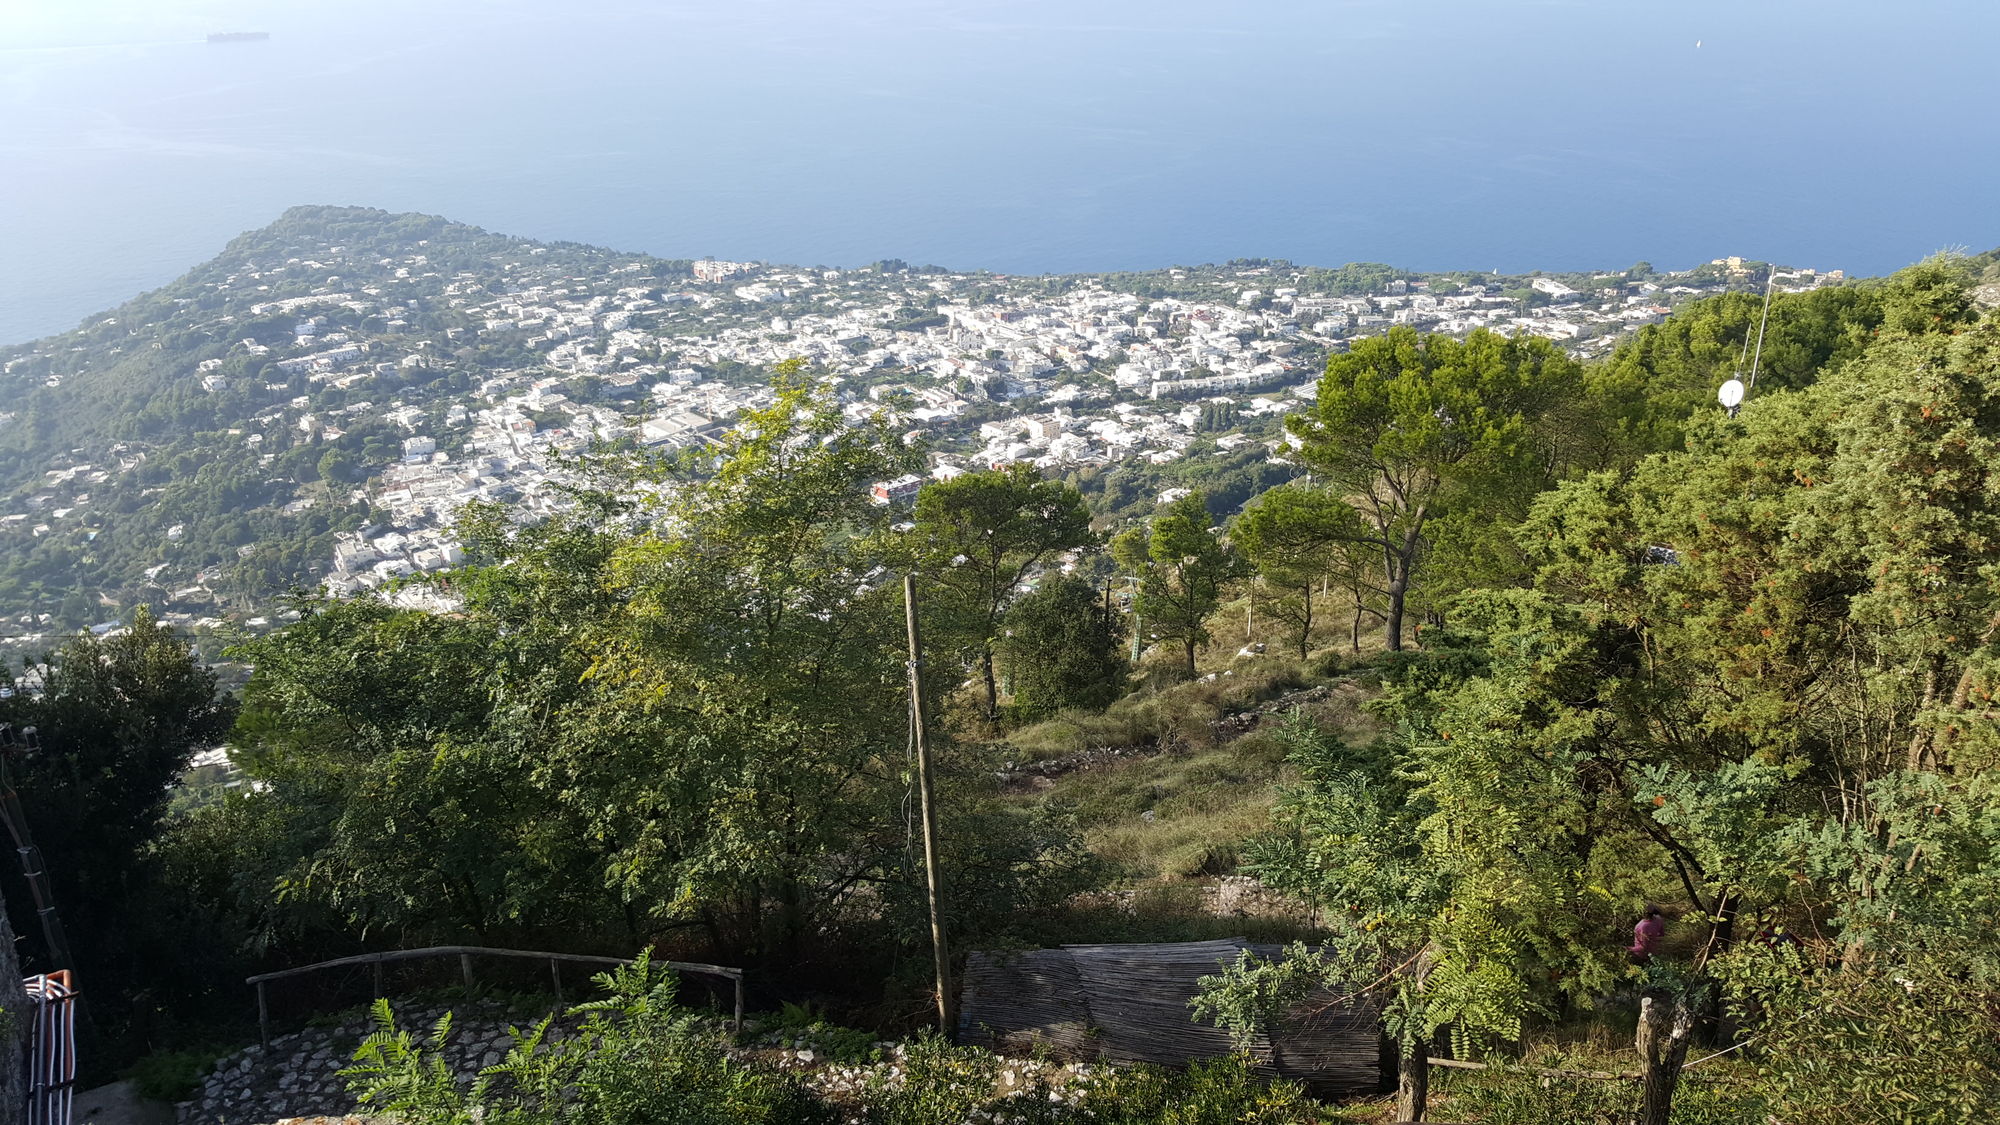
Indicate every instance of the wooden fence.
{"type": "Point", "coordinates": [465, 954]}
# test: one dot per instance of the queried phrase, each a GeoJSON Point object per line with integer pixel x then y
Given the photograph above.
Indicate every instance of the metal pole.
{"type": "Point", "coordinates": [555, 977]}
{"type": "Point", "coordinates": [933, 879]}
{"type": "Point", "coordinates": [263, 1017]}
{"type": "Point", "coordinates": [1769, 277]}
{"type": "Point", "coordinates": [465, 971]}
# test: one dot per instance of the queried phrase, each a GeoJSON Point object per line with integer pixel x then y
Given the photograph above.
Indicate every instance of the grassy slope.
{"type": "Point", "coordinates": [1208, 781]}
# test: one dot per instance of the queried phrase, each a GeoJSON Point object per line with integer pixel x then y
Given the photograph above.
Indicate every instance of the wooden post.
{"type": "Point", "coordinates": [379, 991]}
{"type": "Point", "coordinates": [736, 1026]}
{"type": "Point", "coordinates": [1665, 1024]}
{"type": "Point", "coordinates": [1413, 1082]}
{"type": "Point", "coordinates": [263, 1017]}
{"type": "Point", "coordinates": [1138, 626]}
{"type": "Point", "coordinates": [1413, 1076]}
{"type": "Point", "coordinates": [465, 971]}
{"type": "Point", "coordinates": [933, 878]}
{"type": "Point", "coordinates": [555, 976]}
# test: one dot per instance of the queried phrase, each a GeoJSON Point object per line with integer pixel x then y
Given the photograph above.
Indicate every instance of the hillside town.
{"type": "Point", "coordinates": [493, 376]}
{"type": "Point", "coordinates": [1089, 377]}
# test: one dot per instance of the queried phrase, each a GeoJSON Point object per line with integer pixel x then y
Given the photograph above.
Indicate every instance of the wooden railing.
{"type": "Point", "coordinates": [465, 955]}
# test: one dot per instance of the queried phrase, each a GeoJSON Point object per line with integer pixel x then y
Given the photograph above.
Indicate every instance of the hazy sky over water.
{"type": "Point", "coordinates": [1018, 135]}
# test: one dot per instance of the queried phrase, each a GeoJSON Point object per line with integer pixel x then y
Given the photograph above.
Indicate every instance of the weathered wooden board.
{"type": "Point", "coordinates": [1129, 1004]}
{"type": "Point", "coordinates": [1020, 1002]}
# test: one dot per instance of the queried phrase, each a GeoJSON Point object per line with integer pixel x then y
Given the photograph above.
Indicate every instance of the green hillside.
{"type": "Point", "coordinates": [182, 451]}
{"type": "Point", "coordinates": [148, 481]}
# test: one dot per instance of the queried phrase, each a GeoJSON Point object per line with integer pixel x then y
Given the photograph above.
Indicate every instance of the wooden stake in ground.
{"type": "Point", "coordinates": [1665, 1024]}
{"type": "Point", "coordinates": [1413, 1072]}
{"type": "Point", "coordinates": [1413, 1082]}
{"type": "Point", "coordinates": [933, 879]}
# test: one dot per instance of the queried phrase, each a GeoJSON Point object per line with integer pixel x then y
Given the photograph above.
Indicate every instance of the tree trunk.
{"type": "Point", "coordinates": [992, 684]}
{"type": "Point", "coordinates": [15, 1014]}
{"type": "Point", "coordinates": [1191, 647]}
{"type": "Point", "coordinates": [1393, 627]}
{"type": "Point", "coordinates": [1413, 1081]}
{"type": "Point", "coordinates": [1665, 1023]}
{"type": "Point", "coordinates": [791, 917]}
{"type": "Point", "coordinates": [1306, 630]}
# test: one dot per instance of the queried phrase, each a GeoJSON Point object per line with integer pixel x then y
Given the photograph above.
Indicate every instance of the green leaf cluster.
{"type": "Point", "coordinates": [1183, 565]}
{"type": "Point", "coordinates": [682, 712]}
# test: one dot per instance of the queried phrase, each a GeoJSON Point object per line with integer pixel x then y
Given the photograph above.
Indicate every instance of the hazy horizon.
{"type": "Point", "coordinates": [1026, 137]}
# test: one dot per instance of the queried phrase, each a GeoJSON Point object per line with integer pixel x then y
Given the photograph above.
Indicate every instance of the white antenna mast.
{"type": "Point", "coordinates": [1770, 277]}
{"type": "Point", "coordinates": [1732, 393]}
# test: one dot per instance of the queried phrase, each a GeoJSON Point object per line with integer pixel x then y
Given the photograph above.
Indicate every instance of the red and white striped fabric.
{"type": "Point", "coordinates": [51, 1049]}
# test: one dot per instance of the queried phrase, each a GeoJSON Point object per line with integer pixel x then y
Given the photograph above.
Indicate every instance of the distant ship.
{"type": "Point", "coordinates": [238, 36]}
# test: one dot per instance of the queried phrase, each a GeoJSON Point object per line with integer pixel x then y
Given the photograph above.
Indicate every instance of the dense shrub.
{"type": "Point", "coordinates": [1521, 1097]}
{"type": "Point", "coordinates": [1910, 1040]}
{"type": "Point", "coordinates": [638, 1059]}
{"type": "Point", "coordinates": [173, 1076]}
{"type": "Point", "coordinates": [940, 1085]}
{"type": "Point", "coordinates": [1210, 1092]}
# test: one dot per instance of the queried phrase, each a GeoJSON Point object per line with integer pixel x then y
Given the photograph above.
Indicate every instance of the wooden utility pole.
{"type": "Point", "coordinates": [1138, 626]}
{"type": "Point", "coordinates": [933, 879]}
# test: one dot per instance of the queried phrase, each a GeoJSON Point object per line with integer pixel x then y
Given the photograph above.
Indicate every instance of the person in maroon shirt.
{"type": "Point", "coordinates": [1646, 936]}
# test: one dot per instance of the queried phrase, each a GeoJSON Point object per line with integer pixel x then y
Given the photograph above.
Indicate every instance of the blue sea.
{"type": "Point", "coordinates": [1023, 136]}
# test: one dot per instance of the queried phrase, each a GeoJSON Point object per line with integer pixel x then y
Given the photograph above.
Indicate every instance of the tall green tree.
{"type": "Point", "coordinates": [981, 535]}
{"type": "Point", "coordinates": [1456, 865]}
{"type": "Point", "coordinates": [1414, 430]}
{"type": "Point", "coordinates": [1298, 538]}
{"type": "Point", "coordinates": [1812, 586]}
{"type": "Point", "coordinates": [119, 717]}
{"type": "Point", "coordinates": [1183, 566]}
{"type": "Point", "coordinates": [677, 708]}
{"type": "Point", "coordinates": [1063, 647]}
{"type": "Point", "coordinates": [756, 625]}
{"type": "Point", "coordinates": [401, 759]}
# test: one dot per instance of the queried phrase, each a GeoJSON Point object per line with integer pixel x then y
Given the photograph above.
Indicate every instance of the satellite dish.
{"type": "Point", "coordinates": [1731, 394]}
